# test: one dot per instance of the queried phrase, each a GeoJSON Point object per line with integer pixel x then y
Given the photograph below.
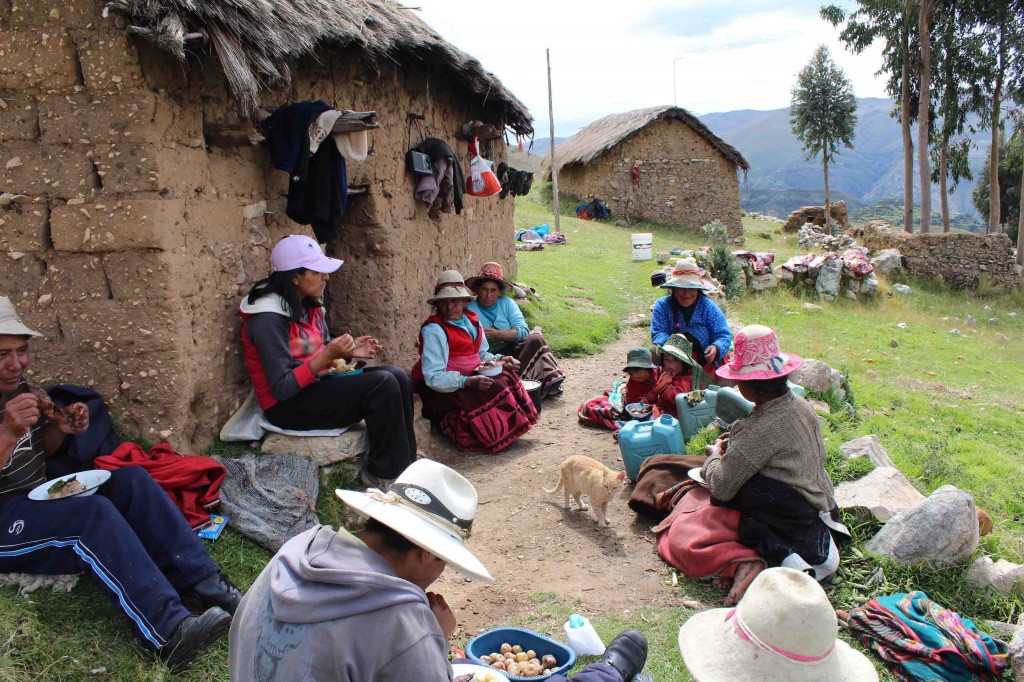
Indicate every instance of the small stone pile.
{"type": "Point", "coordinates": [811, 236]}
{"type": "Point", "coordinates": [816, 216]}
{"type": "Point", "coordinates": [832, 275]}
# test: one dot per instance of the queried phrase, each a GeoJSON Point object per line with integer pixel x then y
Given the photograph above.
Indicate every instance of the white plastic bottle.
{"type": "Point", "coordinates": [582, 637]}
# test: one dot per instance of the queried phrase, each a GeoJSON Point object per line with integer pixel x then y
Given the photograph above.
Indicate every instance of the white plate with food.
{"type": "Point", "coordinates": [340, 368]}
{"type": "Point", "coordinates": [530, 385]}
{"type": "Point", "coordinates": [481, 673]}
{"type": "Point", "coordinates": [695, 475]}
{"type": "Point", "coordinates": [72, 485]}
{"type": "Point", "coordinates": [490, 369]}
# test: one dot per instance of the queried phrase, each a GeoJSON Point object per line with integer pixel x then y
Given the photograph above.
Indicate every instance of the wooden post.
{"type": "Point", "coordinates": [554, 169]}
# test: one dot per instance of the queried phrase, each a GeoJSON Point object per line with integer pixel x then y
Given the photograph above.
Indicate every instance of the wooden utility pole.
{"type": "Point", "coordinates": [551, 153]}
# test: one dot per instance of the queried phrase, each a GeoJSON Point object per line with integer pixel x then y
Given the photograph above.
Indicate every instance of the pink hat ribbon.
{"type": "Point", "coordinates": [677, 272]}
{"type": "Point", "coordinates": [747, 635]}
{"type": "Point", "coordinates": [760, 351]}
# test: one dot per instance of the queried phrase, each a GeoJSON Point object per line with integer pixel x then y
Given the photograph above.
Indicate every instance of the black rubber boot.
{"type": "Point", "coordinates": [627, 653]}
{"type": "Point", "coordinates": [213, 590]}
{"type": "Point", "coordinates": [194, 634]}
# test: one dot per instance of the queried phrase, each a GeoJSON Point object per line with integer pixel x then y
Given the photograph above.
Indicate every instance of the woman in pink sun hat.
{"type": "Point", "coordinates": [771, 468]}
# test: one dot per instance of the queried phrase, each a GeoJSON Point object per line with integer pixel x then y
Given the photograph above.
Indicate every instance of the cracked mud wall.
{"type": "Point", "coordinates": [130, 242]}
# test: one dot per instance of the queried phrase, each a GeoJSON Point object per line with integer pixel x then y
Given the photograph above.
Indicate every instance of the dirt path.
{"type": "Point", "coordinates": [525, 537]}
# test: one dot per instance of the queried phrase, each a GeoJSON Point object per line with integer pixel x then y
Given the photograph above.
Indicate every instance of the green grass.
{"type": "Point", "coordinates": [947, 409]}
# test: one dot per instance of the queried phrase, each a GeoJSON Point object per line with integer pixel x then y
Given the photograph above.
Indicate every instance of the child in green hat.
{"type": "Point", "coordinates": [680, 374]}
{"type": "Point", "coordinates": [608, 410]}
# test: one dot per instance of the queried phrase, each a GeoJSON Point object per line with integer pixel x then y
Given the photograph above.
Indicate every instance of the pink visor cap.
{"type": "Point", "coordinates": [299, 251]}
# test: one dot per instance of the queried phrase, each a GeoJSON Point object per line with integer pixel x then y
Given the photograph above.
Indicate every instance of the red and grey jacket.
{"type": "Point", "coordinates": [463, 350]}
{"type": "Point", "coordinates": [278, 350]}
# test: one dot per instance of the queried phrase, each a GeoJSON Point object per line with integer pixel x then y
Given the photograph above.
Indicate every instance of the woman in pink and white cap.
{"type": "Point", "coordinates": [774, 459]}
{"type": "Point", "coordinates": [290, 355]}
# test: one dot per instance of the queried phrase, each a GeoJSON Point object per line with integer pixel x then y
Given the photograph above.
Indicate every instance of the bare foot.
{"type": "Point", "coordinates": [745, 574]}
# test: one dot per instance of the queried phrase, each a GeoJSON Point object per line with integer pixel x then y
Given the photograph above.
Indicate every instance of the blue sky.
{"type": "Point", "coordinates": [609, 57]}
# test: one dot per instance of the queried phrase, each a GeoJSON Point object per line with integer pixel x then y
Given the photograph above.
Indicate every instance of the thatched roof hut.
{"type": "Point", "coordinates": [659, 163]}
{"type": "Point", "coordinates": [606, 133]}
{"type": "Point", "coordinates": [256, 40]}
{"type": "Point", "coordinates": [145, 205]}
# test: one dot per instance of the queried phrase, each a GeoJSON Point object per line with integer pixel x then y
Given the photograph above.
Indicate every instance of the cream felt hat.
{"type": "Point", "coordinates": [10, 323]}
{"type": "Point", "coordinates": [433, 506]}
{"type": "Point", "coordinates": [783, 630]}
{"type": "Point", "coordinates": [450, 285]}
{"type": "Point", "coordinates": [756, 356]}
{"type": "Point", "coordinates": [685, 275]}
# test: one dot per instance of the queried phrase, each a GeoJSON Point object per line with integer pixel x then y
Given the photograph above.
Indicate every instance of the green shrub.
{"type": "Point", "coordinates": [723, 264]}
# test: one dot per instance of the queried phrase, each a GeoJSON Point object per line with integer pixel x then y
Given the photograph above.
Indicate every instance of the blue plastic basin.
{"type": "Point", "coordinates": [489, 643]}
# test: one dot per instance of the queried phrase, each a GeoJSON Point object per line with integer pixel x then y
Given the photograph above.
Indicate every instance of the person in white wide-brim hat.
{"type": "Point", "coordinates": [783, 630]}
{"type": "Point", "coordinates": [331, 601]}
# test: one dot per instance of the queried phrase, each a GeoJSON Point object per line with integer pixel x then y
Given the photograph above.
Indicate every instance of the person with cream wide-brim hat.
{"type": "Point", "coordinates": [783, 630]}
{"type": "Point", "coordinates": [686, 310]}
{"type": "Point", "coordinates": [457, 375]}
{"type": "Point", "coordinates": [10, 323]}
{"type": "Point", "coordinates": [331, 602]}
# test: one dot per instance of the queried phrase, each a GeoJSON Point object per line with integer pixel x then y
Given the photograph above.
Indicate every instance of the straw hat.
{"type": "Point", "coordinates": [450, 285]}
{"type": "Point", "coordinates": [432, 506]}
{"type": "Point", "coordinates": [10, 323]}
{"type": "Point", "coordinates": [756, 355]}
{"type": "Point", "coordinates": [490, 271]}
{"type": "Point", "coordinates": [639, 358]}
{"type": "Point", "coordinates": [679, 347]}
{"type": "Point", "coordinates": [783, 630]}
{"type": "Point", "coordinates": [685, 275]}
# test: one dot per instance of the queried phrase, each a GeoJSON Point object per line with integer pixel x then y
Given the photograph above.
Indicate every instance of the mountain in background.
{"type": "Point", "coordinates": [781, 178]}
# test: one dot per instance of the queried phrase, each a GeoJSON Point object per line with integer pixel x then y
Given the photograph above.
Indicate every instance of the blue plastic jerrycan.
{"type": "Point", "coordinates": [640, 440]}
{"type": "Point", "coordinates": [726, 403]}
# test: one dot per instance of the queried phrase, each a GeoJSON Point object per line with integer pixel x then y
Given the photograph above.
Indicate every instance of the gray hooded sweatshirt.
{"type": "Point", "coordinates": [327, 607]}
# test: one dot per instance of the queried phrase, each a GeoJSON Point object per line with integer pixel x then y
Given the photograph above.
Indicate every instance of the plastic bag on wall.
{"type": "Point", "coordinates": [481, 180]}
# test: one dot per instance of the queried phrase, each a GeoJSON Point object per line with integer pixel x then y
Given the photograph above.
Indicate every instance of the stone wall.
{"type": "Point", "coordinates": [132, 242]}
{"type": "Point", "coordinates": [684, 180]}
{"type": "Point", "coordinates": [959, 258]}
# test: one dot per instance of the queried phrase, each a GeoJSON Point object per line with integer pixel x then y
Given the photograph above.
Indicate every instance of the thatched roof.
{"type": "Point", "coordinates": [602, 135]}
{"type": "Point", "coordinates": [256, 39]}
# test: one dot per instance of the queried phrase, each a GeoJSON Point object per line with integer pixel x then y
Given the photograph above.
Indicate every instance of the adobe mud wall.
{"type": "Point", "coordinates": [958, 258]}
{"type": "Point", "coordinates": [129, 242]}
{"type": "Point", "coordinates": [684, 180]}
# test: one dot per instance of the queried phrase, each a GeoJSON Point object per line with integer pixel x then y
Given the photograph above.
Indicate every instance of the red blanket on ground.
{"type": "Point", "coordinates": [702, 539]}
{"type": "Point", "coordinates": [191, 481]}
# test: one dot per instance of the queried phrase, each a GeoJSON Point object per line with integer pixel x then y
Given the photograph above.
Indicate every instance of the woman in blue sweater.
{"type": "Point", "coordinates": [686, 310]}
{"type": "Point", "coordinates": [507, 333]}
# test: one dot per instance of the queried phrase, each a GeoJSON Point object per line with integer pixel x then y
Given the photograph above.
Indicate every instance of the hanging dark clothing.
{"type": "Point", "coordinates": [439, 149]}
{"type": "Point", "coordinates": [776, 521]}
{"type": "Point", "coordinates": [318, 185]}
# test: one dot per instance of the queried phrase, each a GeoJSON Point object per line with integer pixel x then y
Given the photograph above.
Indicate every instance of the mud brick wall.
{"type": "Point", "coordinates": [129, 242]}
{"type": "Point", "coordinates": [958, 258]}
{"type": "Point", "coordinates": [684, 180]}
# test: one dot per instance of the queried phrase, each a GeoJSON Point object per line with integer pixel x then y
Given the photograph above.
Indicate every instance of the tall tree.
{"type": "Point", "coordinates": [892, 22]}
{"type": "Point", "coordinates": [823, 112]}
{"type": "Point", "coordinates": [924, 14]}
{"type": "Point", "coordinates": [1011, 170]}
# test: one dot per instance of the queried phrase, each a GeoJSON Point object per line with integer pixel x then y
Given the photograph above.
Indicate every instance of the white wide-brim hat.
{"type": "Point", "coordinates": [783, 630]}
{"type": "Point", "coordinates": [10, 323]}
{"type": "Point", "coordinates": [685, 275]}
{"type": "Point", "coordinates": [450, 285]}
{"type": "Point", "coordinates": [432, 506]}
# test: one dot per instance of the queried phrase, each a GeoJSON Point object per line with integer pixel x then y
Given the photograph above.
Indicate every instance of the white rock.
{"type": "Point", "coordinates": [955, 332]}
{"type": "Point", "coordinates": [887, 261]}
{"type": "Point", "coordinates": [323, 451]}
{"type": "Point", "coordinates": [763, 282]}
{"type": "Point", "coordinates": [1002, 337]}
{"type": "Point", "coordinates": [994, 321]}
{"type": "Point", "coordinates": [1017, 652]}
{"type": "Point", "coordinates": [815, 375]}
{"type": "Point", "coordinates": [885, 492]}
{"type": "Point", "coordinates": [869, 287]}
{"type": "Point", "coordinates": [869, 446]}
{"type": "Point", "coordinates": [812, 306]}
{"type": "Point", "coordinates": [902, 325]}
{"type": "Point", "coordinates": [254, 210]}
{"type": "Point", "coordinates": [970, 321]}
{"type": "Point", "coordinates": [827, 284]}
{"type": "Point", "coordinates": [942, 529]}
{"type": "Point", "coordinates": [902, 289]}
{"type": "Point", "coordinates": [1001, 576]}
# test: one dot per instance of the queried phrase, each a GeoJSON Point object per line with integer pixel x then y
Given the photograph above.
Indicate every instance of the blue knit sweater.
{"type": "Point", "coordinates": [707, 324]}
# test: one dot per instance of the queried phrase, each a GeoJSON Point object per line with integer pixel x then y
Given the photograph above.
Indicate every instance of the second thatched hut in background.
{"type": "Point", "coordinates": [660, 164]}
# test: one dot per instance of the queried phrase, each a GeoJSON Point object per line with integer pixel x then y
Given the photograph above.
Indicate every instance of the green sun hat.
{"type": "Point", "coordinates": [639, 358]}
{"type": "Point", "coordinates": [679, 347]}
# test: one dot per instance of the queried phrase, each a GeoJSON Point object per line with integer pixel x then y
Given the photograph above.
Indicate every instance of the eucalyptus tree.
{"type": "Point", "coordinates": [924, 30]}
{"type": "Point", "coordinates": [823, 112]}
{"type": "Point", "coordinates": [893, 23]}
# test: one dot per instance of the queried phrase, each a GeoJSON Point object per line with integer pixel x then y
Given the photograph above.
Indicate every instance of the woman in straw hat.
{"type": "Point", "coordinates": [480, 413]}
{"type": "Point", "coordinates": [686, 310]}
{"type": "Point", "coordinates": [783, 630]}
{"type": "Point", "coordinates": [292, 361]}
{"type": "Point", "coordinates": [506, 330]}
{"type": "Point", "coordinates": [771, 465]}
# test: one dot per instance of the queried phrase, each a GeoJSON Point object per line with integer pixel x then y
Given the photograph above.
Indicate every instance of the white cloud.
{"type": "Point", "coordinates": [608, 59]}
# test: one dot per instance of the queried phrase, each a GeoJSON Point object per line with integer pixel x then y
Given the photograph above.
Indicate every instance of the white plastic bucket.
{"type": "Point", "coordinates": [643, 246]}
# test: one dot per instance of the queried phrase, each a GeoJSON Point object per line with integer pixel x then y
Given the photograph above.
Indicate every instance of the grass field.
{"type": "Point", "coordinates": [946, 407]}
